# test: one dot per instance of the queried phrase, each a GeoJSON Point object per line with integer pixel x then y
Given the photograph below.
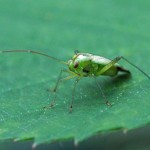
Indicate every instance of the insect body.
{"type": "Point", "coordinates": [85, 65]}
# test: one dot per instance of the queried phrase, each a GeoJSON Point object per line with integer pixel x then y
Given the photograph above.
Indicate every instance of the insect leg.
{"type": "Point", "coordinates": [73, 93]}
{"type": "Point", "coordinates": [99, 86]}
{"type": "Point", "coordinates": [109, 65]}
{"type": "Point", "coordinates": [114, 61]}
{"type": "Point", "coordinates": [56, 87]}
{"type": "Point", "coordinates": [136, 67]}
{"type": "Point", "coordinates": [59, 80]}
{"type": "Point", "coordinates": [55, 90]}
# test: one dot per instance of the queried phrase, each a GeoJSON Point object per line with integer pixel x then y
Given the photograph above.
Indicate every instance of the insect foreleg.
{"type": "Point", "coordinates": [99, 86]}
{"type": "Point", "coordinates": [59, 80]}
{"type": "Point", "coordinates": [55, 89]}
{"type": "Point", "coordinates": [69, 77]}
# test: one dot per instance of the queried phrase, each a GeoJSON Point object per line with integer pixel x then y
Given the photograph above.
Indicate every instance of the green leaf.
{"type": "Point", "coordinates": [106, 28]}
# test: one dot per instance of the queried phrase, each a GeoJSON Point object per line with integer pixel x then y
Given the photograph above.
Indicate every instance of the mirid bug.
{"type": "Point", "coordinates": [85, 65]}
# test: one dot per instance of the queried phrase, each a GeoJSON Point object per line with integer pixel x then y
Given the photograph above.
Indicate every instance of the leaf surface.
{"type": "Point", "coordinates": [106, 28]}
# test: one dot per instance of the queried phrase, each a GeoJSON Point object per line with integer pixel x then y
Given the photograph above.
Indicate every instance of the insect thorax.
{"type": "Point", "coordinates": [84, 64]}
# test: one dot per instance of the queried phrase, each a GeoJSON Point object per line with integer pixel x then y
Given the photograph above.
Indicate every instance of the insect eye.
{"type": "Point", "coordinates": [76, 65]}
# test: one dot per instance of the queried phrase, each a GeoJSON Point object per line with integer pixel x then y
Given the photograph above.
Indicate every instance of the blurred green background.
{"type": "Point", "coordinates": [104, 27]}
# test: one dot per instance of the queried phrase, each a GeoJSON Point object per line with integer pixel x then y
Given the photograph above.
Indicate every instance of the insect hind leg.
{"type": "Point", "coordinates": [114, 61]}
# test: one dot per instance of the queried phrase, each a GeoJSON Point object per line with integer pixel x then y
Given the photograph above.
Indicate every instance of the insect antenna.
{"type": "Point", "coordinates": [34, 52]}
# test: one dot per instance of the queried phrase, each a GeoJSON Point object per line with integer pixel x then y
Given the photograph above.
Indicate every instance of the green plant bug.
{"type": "Point", "coordinates": [85, 65]}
